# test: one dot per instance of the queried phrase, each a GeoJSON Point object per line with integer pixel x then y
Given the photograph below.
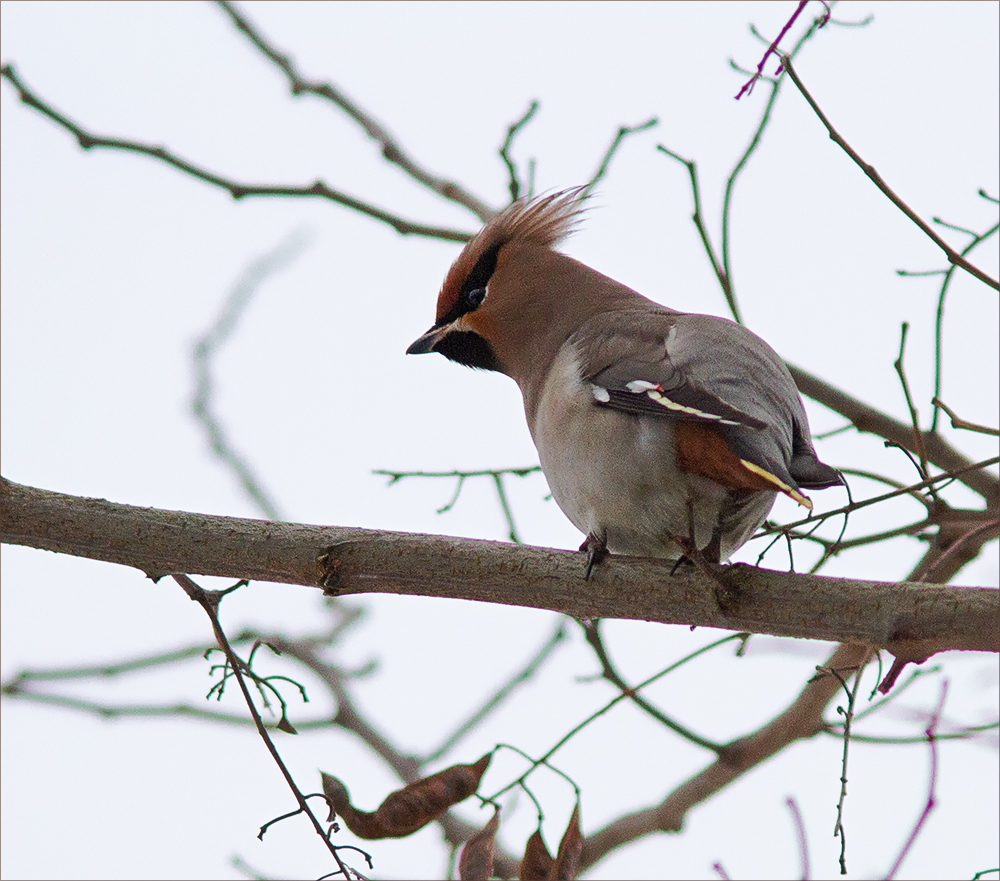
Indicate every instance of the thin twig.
{"type": "Point", "coordinates": [918, 439]}
{"type": "Point", "coordinates": [207, 345]}
{"type": "Point", "coordinates": [501, 694]}
{"type": "Point", "coordinates": [970, 732]}
{"type": "Point", "coordinates": [514, 184]}
{"type": "Point", "coordinates": [854, 506]}
{"type": "Point", "coordinates": [773, 49]}
{"type": "Point", "coordinates": [888, 481]}
{"type": "Point", "coordinates": [391, 150]}
{"type": "Point", "coordinates": [699, 223]}
{"type": "Point", "coordinates": [959, 423]}
{"type": "Point", "coordinates": [319, 189]}
{"type": "Point", "coordinates": [496, 474]}
{"type": "Point", "coordinates": [802, 719]}
{"type": "Point", "coordinates": [209, 601]}
{"type": "Point", "coordinates": [867, 418]}
{"type": "Point", "coordinates": [609, 705]}
{"type": "Point", "coordinates": [953, 256]}
{"type": "Point", "coordinates": [602, 169]}
{"type": "Point", "coordinates": [931, 737]}
{"type": "Point", "coordinates": [800, 837]}
{"type": "Point", "coordinates": [973, 538]}
{"type": "Point", "coordinates": [722, 265]}
{"type": "Point", "coordinates": [852, 695]}
{"type": "Point", "coordinates": [592, 632]}
{"type": "Point", "coordinates": [939, 315]}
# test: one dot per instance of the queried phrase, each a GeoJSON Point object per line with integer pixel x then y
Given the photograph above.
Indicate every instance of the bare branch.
{"type": "Point", "coordinates": [593, 634]}
{"type": "Point", "coordinates": [864, 503]}
{"type": "Point", "coordinates": [801, 720]}
{"type": "Point", "coordinates": [623, 132]}
{"type": "Point", "coordinates": [913, 620]}
{"type": "Point", "coordinates": [502, 693]}
{"type": "Point", "coordinates": [918, 441]}
{"type": "Point", "coordinates": [209, 601]}
{"type": "Point", "coordinates": [391, 150]}
{"type": "Point", "coordinates": [773, 48]}
{"type": "Point", "coordinates": [954, 257]}
{"type": "Point", "coordinates": [869, 419]}
{"type": "Point", "coordinates": [932, 737]}
{"type": "Point", "coordinates": [514, 185]}
{"type": "Point", "coordinates": [699, 223]}
{"type": "Point", "coordinates": [319, 189]}
{"type": "Point", "coordinates": [957, 422]}
{"type": "Point", "coordinates": [949, 273]}
{"type": "Point", "coordinates": [204, 349]}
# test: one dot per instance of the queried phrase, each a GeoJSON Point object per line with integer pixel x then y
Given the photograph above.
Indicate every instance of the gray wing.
{"type": "Point", "coordinates": [704, 369]}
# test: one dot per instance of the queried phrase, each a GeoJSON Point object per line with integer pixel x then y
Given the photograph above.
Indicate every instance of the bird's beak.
{"type": "Point", "coordinates": [426, 343]}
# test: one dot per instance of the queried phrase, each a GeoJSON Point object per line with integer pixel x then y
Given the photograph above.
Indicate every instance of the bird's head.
{"type": "Point", "coordinates": [504, 287]}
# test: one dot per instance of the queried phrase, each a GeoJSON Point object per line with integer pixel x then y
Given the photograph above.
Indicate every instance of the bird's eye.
{"type": "Point", "coordinates": [475, 297]}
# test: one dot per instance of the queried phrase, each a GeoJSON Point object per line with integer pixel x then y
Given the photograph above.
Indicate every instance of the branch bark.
{"type": "Point", "coordinates": [913, 620]}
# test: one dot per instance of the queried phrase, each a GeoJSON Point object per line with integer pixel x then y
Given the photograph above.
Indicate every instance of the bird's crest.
{"type": "Point", "coordinates": [544, 221]}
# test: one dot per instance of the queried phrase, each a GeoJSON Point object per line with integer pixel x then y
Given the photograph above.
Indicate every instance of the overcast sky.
{"type": "Point", "coordinates": [114, 264]}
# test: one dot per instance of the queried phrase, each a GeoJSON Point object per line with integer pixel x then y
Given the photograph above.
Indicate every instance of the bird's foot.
{"type": "Point", "coordinates": [706, 561]}
{"type": "Point", "coordinates": [597, 549]}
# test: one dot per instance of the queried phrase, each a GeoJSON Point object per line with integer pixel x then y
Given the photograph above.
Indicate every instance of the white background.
{"type": "Point", "coordinates": [113, 264]}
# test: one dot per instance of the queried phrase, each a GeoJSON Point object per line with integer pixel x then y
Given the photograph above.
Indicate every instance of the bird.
{"type": "Point", "coordinates": [661, 433]}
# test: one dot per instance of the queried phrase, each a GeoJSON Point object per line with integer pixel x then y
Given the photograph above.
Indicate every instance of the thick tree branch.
{"type": "Point", "coordinates": [912, 621]}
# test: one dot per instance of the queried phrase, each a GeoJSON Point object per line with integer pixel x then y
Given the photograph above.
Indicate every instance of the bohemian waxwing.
{"type": "Point", "coordinates": [654, 428]}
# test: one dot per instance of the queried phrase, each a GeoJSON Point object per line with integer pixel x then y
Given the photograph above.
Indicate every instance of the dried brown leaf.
{"type": "Point", "coordinates": [570, 848]}
{"type": "Point", "coordinates": [408, 809]}
{"type": "Point", "coordinates": [537, 861]}
{"type": "Point", "coordinates": [476, 862]}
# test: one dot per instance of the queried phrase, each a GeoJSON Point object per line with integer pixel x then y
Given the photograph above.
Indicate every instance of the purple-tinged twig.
{"type": "Point", "coordinates": [954, 257]}
{"type": "Point", "coordinates": [720, 871]}
{"type": "Point", "coordinates": [773, 48]}
{"type": "Point", "coordinates": [800, 836]}
{"type": "Point", "coordinates": [931, 734]}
